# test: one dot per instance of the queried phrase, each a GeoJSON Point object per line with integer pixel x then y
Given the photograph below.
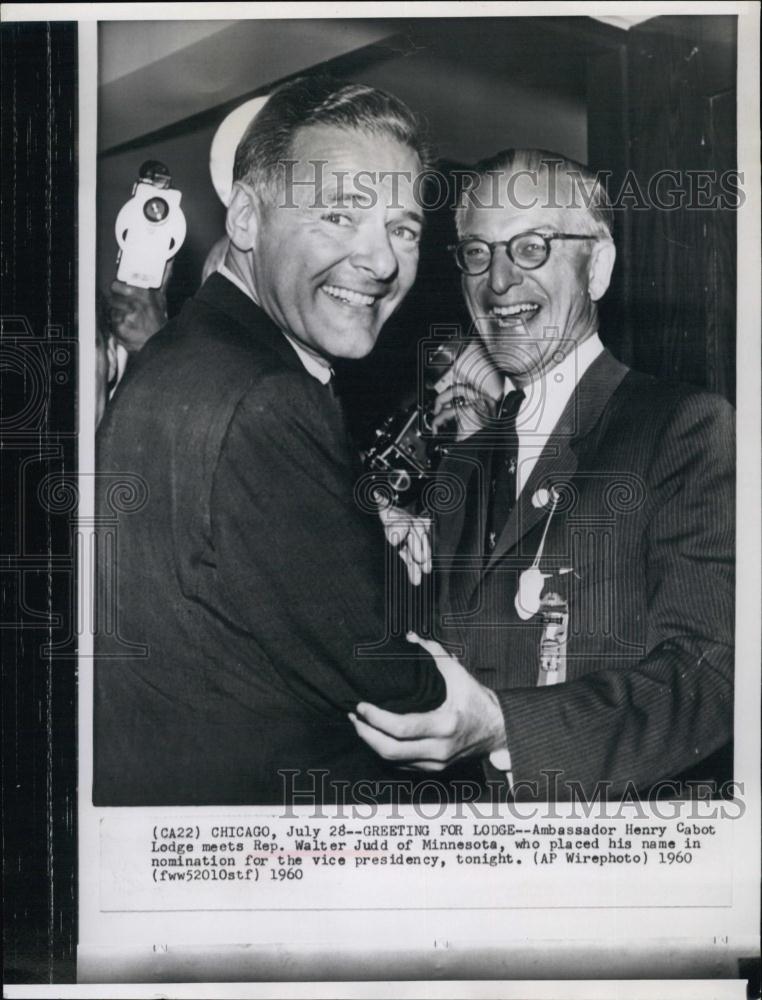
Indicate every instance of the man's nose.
{"type": "Point", "coordinates": [503, 273]}
{"type": "Point", "coordinates": [375, 254]}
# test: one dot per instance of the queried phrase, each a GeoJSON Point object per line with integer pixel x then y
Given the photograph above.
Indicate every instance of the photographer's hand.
{"type": "Point", "coordinates": [138, 313]}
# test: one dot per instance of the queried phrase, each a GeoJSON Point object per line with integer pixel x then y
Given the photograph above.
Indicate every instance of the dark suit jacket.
{"type": "Point", "coordinates": [646, 474]}
{"type": "Point", "coordinates": [243, 586]}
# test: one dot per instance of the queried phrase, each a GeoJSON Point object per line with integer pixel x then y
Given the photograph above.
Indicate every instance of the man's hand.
{"type": "Point", "coordinates": [137, 313]}
{"type": "Point", "coordinates": [409, 534]}
{"type": "Point", "coordinates": [468, 394]}
{"type": "Point", "coordinates": [461, 408]}
{"type": "Point", "coordinates": [468, 724]}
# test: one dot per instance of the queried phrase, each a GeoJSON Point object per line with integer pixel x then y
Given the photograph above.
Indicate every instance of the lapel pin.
{"type": "Point", "coordinates": [542, 497]}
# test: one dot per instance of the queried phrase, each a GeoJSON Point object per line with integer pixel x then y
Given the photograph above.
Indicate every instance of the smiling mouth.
{"type": "Point", "coordinates": [348, 296]}
{"type": "Point", "coordinates": [514, 314]}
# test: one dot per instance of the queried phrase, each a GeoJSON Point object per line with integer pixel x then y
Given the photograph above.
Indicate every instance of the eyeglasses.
{"type": "Point", "coordinates": [527, 250]}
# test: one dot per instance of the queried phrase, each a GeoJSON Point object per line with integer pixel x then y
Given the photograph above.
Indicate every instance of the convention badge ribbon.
{"type": "Point", "coordinates": [532, 580]}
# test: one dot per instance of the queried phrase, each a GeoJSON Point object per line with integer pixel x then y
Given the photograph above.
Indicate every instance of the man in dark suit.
{"type": "Point", "coordinates": [587, 576]}
{"type": "Point", "coordinates": [245, 606]}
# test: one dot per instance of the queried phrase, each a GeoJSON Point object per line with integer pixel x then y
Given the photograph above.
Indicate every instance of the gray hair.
{"type": "Point", "coordinates": [539, 164]}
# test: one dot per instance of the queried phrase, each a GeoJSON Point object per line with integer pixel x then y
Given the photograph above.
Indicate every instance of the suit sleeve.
{"type": "Point", "coordinates": [303, 570]}
{"type": "Point", "coordinates": [675, 706]}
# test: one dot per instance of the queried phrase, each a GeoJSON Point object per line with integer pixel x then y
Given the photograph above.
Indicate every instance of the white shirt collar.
{"type": "Point", "coordinates": [548, 395]}
{"type": "Point", "coordinates": [316, 365]}
{"type": "Point", "coordinates": [545, 401]}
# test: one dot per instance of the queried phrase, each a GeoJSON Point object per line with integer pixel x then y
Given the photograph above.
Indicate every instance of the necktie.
{"type": "Point", "coordinates": [504, 460]}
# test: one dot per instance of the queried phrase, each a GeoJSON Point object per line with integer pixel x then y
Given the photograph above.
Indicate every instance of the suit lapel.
{"type": "Point", "coordinates": [462, 470]}
{"type": "Point", "coordinates": [558, 461]}
{"type": "Point", "coordinates": [555, 466]}
{"type": "Point", "coordinates": [219, 293]}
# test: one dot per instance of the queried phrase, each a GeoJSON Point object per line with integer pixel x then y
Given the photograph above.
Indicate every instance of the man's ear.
{"type": "Point", "coordinates": [242, 219]}
{"type": "Point", "coordinates": [601, 265]}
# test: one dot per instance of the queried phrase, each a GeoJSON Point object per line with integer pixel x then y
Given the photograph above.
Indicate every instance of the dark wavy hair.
{"type": "Point", "coordinates": [321, 100]}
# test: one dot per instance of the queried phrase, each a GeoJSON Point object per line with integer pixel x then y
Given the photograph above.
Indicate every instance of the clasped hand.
{"type": "Point", "coordinates": [469, 723]}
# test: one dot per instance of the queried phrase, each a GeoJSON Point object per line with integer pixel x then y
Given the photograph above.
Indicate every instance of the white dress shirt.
{"type": "Point", "coordinates": [545, 401]}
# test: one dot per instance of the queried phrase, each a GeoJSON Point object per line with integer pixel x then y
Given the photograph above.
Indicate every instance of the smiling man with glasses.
{"type": "Point", "coordinates": [587, 576]}
{"type": "Point", "coordinates": [534, 265]}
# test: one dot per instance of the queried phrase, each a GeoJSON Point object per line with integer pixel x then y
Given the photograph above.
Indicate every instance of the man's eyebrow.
{"type": "Point", "coordinates": [345, 194]}
{"type": "Point", "coordinates": [353, 199]}
{"type": "Point", "coordinates": [408, 213]}
{"type": "Point", "coordinates": [524, 232]}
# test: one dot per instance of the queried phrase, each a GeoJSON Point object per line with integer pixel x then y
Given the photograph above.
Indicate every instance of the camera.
{"type": "Point", "coordinates": [150, 227]}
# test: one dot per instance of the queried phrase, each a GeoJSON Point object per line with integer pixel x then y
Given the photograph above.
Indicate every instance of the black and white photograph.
{"type": "Point", "coordinates": [383, 423]}
{"type": "Point", "coordinates": [247, 598]}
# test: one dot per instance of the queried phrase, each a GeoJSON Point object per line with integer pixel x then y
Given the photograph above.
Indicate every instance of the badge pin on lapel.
{"type": "Point", "coordinates": [531, 582]}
